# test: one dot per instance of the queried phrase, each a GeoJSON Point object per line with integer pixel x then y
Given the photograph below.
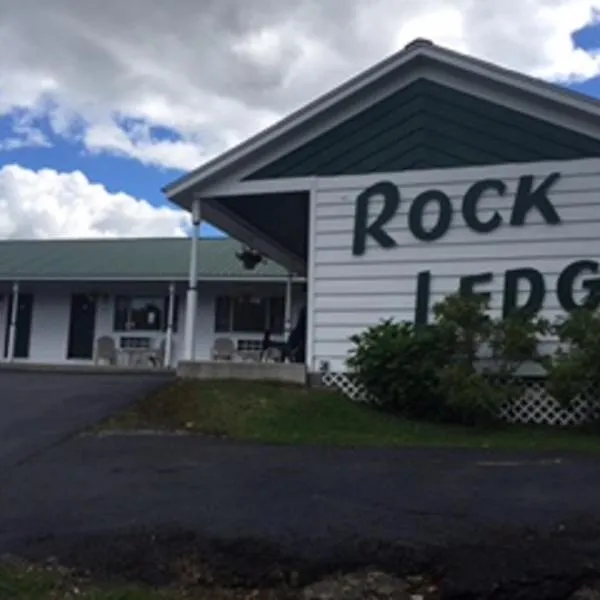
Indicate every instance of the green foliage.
{"type": "Point", "coordinates": [488, 353]}
{"type": "Point", "coordinates": [465, 320]}
{"type": "Point", "coordinates": [575, 366]}
{"type": "Point", "coordinates": [400, 365]}
{"type": "Point", "coordinates": [436, 372]}
{"type": "Point", "coordinates": [471, 398]}
{"type": "Point", "coordinates": [514, 341]}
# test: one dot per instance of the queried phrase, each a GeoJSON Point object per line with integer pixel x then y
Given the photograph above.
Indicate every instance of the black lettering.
{"type": "Point", "coordinates": [527, 198]}
{"type": "Point", "coordinates": [423, 291]}
{"type": "Point", "coordinates": [592, 300]}
{"type": "Point", "coordinates": [468, 284]}
{"type": "Point", "coordinates": [417, 209]}
{"type": "Point", "coordinates": [537, 291]}
{"type": "Point", "coordinates": [566, 281]}
{"type": "Point", "coordinates": [472, 197]}
{"type": "Point", "coordinates": [391, 197]}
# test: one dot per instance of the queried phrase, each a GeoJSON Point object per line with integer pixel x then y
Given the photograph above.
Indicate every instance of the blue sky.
{"type": "Point", "coordinates": [166, 132]}
{"type": "Point", "coordinates": [589, 39]}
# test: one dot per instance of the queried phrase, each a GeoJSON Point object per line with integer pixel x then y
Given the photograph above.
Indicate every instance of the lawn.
{"type": "Point", "coordinates": [22, 581]}
{"type": "Point", "coordinates": [283, 414]}
{"type": "Point", "coordinates": [28, 582]}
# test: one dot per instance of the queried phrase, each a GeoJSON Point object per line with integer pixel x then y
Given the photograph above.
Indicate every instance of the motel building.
{"type": "Point", "coordinates": [60, 298]}
{"type": "Point", "coordinates": [428, 173]}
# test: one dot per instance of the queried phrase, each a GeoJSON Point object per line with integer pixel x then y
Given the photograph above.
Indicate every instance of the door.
{"type": "Point", "coordinates": [23, 333]}
{"type": "Point", "coordinates": [82, 327]}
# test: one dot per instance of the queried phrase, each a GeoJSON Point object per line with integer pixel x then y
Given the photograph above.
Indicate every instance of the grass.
{"type": "Point", "coordinates": [23, 581]}
{"type": "Point", "coordinates": [28, 582]}
{"type": "Point", "coordinates": [281, 414]}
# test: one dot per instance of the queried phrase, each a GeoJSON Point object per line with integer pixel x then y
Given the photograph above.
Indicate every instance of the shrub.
{"type": "Point", "coordinates": [465, 322]}
{"type": "Point", "coordinates": [471, 398]}
{"type": "Point", "coordinates": [475, 392]}
{"type": "Point", "coordinates": [435, 372]}
{"type": "Point", "coordinates": [400, 364]}
{"type": "Point", "coordinates": [574, 368]}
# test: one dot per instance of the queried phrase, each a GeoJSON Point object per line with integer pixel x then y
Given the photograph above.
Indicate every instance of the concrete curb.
{"type": "Point", "coordinates": [89, 369]}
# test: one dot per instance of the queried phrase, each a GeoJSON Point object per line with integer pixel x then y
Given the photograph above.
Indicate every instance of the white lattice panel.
{"type": "Point", "coordinates": [344, 383]}
{"type": "Point", "coordinates": [534, 406]}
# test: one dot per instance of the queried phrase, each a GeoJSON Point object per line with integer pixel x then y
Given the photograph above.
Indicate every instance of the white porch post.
{"type": "Point", "coordinates": [191, 307]}
{"type": "Point", "coordinates": [287, 322]}
{"type": "Point", "coordinates": [12, 328]}
{"type": "Point", "coordinates": [170, 319]}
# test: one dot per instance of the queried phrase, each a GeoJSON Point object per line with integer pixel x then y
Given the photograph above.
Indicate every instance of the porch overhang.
{"type": "Point", "coordinates": [273, 220]}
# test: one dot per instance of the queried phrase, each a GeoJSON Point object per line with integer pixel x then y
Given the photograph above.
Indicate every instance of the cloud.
{"type": "Point", "coordinates": [214, 73]}
{"type": "Point", "coordinates": [49, 204]}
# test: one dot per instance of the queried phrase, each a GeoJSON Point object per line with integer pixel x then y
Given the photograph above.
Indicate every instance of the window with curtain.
{"type": "Point", "coordinates": [143, 313]}
{"type": "Point", "coordinates": [249, 314]}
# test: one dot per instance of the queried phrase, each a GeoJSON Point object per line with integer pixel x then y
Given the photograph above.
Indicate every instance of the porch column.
{"type": "Point", "coordinates": [191, 308]}
{"type": "Point", "coordinates": [287, 323]}
{"type": "Point", "coordinates": [12, 328]}
{"type": "Point", "coordinates": [170, 319]}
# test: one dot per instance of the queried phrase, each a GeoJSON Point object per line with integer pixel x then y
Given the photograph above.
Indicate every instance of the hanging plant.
{"type": "Point", "coordinates": [249, 258]}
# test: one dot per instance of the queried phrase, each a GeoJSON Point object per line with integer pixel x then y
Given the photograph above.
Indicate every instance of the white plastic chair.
{"type": "Point", "coordinates": [106, 350]}
{"type": "Point", "coordinates": [223, 349]}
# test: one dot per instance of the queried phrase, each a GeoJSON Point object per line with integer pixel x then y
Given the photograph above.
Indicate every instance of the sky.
{"type": "Point", "coordinates": [103, 103]}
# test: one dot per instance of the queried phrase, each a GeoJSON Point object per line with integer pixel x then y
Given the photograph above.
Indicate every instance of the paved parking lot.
{"type": "Point", "coordinates": [40, 409]}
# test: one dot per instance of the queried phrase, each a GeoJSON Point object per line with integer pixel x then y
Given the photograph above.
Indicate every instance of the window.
{"type": "Point", "coordinates": [249, 345]}
{"type": "Point", "coordinates": [127, 342]}
{"type": "Point", "coordinates": [249, 314]}
{"type": "Point", "coordinates": [141, 313]}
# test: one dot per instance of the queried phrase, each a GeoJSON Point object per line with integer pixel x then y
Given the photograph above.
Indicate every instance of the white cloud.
{"type": "Point", "coordinates": [216, 73]}
{"type": "Point", "coordinates": [49, 204]}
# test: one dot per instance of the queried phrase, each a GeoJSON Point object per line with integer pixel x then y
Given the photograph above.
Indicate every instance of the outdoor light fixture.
{"type": "Point", "coordinates": [249, 258]}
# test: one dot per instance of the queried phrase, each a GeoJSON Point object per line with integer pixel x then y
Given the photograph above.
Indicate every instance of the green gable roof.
{"type": "Point", "coordinates": [427, 126]}
{"type": "Point", "coordinates": [125, 259]}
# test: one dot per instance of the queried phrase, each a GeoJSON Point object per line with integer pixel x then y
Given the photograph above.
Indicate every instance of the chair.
{"type": "Point", "coordinates": [157, 358]}
{"type": "Point", "coordinates": [223, 349]}
{"type": "Point", "coordinates": [249, 355]}
{"type": "Point", "coordinates": [272, 354]}
{"type": "Point", "coordinates": [106, 350]}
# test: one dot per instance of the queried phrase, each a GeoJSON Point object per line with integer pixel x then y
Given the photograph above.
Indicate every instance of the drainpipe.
{"type": "Point", "coordinates": [170, 319]}
{"type": "Point", "coordinates": [12, 330]}
{"type": "Point", "coordinates": [191, 307]}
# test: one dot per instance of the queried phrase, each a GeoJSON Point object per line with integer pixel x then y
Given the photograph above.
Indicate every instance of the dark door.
{"type": "Point", "coordinates": [23, 333]}
{"type": "Point", "coordinates": [82, 327]}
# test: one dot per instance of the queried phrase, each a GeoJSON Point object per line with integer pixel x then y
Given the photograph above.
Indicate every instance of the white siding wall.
{"type": "Point", "coordinates": [352, 292]}
{"type": "Point", "coordinates": [51, 306]}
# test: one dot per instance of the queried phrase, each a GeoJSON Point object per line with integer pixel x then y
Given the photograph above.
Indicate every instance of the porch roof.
{"type": "Point", "coordinates": [147, 259]}
{"type": "Point", "coordinates": [244, 189]}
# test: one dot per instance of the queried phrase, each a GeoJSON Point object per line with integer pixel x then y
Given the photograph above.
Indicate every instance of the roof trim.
{"type": "Point", "coordinates": [504, 79]}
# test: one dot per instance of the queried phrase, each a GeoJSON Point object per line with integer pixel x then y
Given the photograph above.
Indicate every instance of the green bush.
{"type": "Point", "coordinates": [464, 320]}
{"type": "Point", "coordinates": [434, 372]}
{"type": "Point", "coordinates": [399, 364]}
{"type": "Point", "coordinates": [471, 397]}
{"type": "Point", "coordinates": [574, 368]}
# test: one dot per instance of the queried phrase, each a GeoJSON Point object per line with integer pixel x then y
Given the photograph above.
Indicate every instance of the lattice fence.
{"type": "Point", "coordinates": [534, 406]}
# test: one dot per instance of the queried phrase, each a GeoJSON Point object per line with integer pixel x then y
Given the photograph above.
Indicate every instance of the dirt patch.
{"type": "Point", "coordinates": [517, 566]}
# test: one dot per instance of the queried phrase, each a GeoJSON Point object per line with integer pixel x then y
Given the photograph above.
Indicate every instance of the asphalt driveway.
{"type": "Point", "coordinates": [310, 498]}
{"type": "Point", "coordinates": [40, 409]}
{"type": "Point", "coordinates": [75, 498]}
